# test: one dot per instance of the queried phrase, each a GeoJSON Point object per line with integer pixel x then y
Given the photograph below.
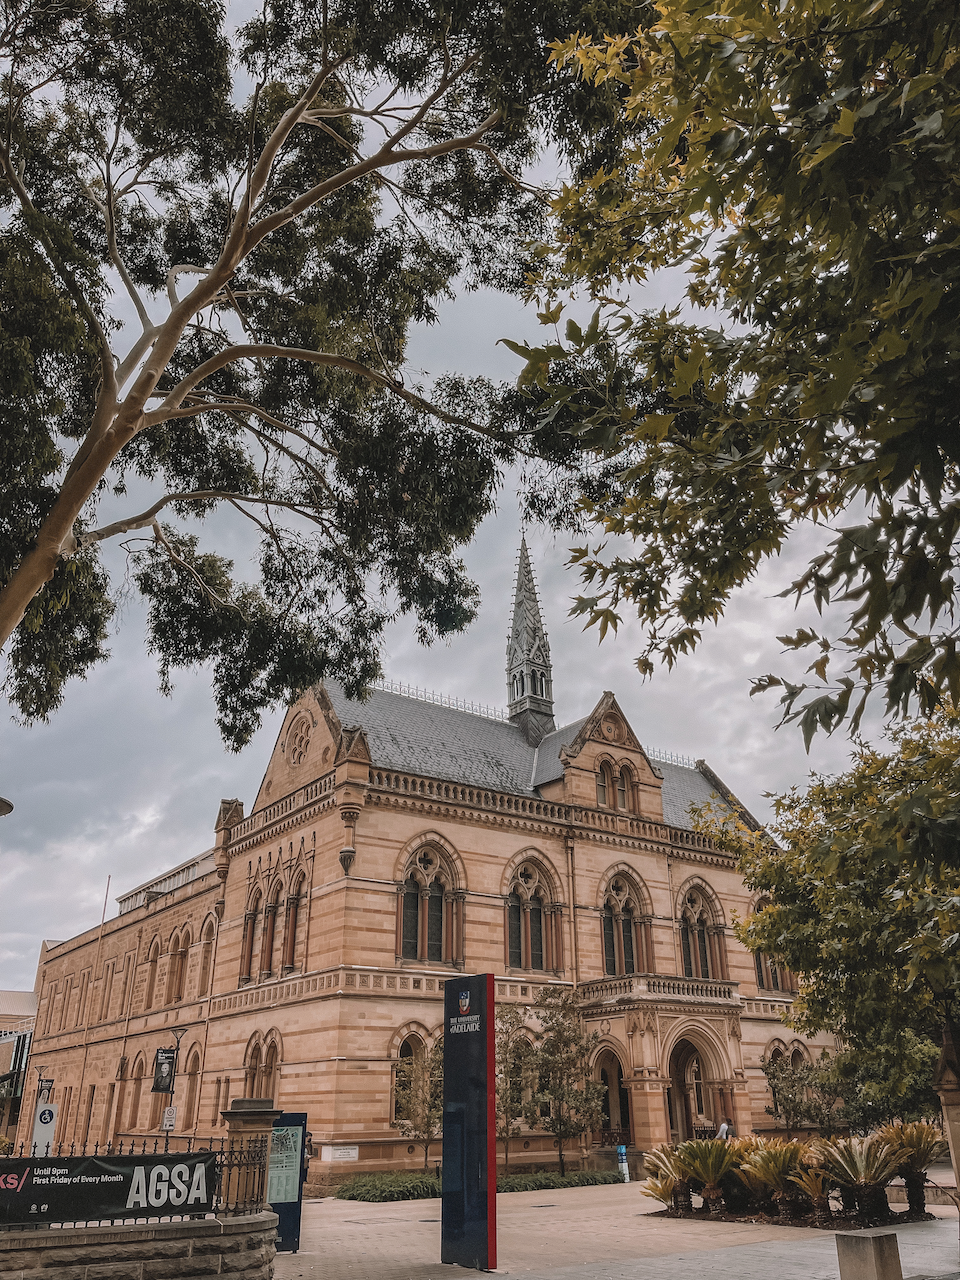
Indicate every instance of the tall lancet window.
{"type": "Point", "coordinates": [529, 673]}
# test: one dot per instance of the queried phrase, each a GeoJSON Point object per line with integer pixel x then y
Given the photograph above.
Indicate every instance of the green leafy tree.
{"type": "Point", "coordinates": [861, 884]}
{"type": "Point", "coordinates": [418, 1093]}
{"type": "Point", "coordinates": [797, 162]}
{"type": "Point", "coordinates": [213, 246]}
{"type": "Point", "coordinates": [790, 1086]}
{"type": "Point", "coordinates": [515, 1073]}
{"type": "Point", "coordinates": [566, 1102]}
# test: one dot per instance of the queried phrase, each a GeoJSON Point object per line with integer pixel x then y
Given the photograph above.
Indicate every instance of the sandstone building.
{"type": "Point", "coordinates": [392, 844]}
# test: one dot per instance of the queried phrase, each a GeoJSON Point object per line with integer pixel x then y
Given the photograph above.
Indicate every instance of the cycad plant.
{"type": "Point", "coordinates": [866, 1165]}
{"type": "Point", "coordinates": [662, 1189]}
{"type": "Point", "coordinates": [664, 1164]}
{"type": "Point", "coordinates": [815, 1184]}
{"type": "Point", "coordinates": [708, 1160]}
{"type": "Point", "coordinates": [773, 1166]}
{"type": "Point", "coordinates": [918, 1145]}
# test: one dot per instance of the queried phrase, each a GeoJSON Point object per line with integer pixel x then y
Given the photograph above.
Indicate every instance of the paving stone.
{"type": "Point", "coordinates": [589, 1233]}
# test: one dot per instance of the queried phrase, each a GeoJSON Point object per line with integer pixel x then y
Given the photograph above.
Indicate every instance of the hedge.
{"type": "Point", "coordinates": [376, 1188]}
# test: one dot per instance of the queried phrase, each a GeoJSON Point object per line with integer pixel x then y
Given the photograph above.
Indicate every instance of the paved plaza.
{"type": "Point", "coordinates": [589, 1233]}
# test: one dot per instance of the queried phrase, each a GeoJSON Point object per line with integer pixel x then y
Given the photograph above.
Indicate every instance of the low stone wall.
{"type": "Point", "coordinates": [243, 1247]}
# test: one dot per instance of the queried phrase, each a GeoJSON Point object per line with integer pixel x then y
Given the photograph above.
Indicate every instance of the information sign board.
{"type": "Point", "coordinates": [285, 1174]}
{"type": "Point", "coordinates": [468, 1233]}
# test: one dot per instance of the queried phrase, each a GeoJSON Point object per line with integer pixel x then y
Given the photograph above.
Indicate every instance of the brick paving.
{"type": "Point", "coordinates": [589, 1233]}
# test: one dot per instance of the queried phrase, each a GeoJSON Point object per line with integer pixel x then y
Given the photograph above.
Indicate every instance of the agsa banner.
{"type": "Point", "coordinates": [87, 1188]}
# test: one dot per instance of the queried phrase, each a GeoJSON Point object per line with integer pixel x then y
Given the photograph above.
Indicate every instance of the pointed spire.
{"type": "Point", "coordinates": [529, 673]}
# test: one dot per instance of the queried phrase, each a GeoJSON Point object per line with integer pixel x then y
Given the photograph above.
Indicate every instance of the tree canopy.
{"type": "Point", "coordinates": [798, 162]}
{"type": "Point", "coordinates": [858, 896]}
{"type": "Point", "coordinates": [213, 246]}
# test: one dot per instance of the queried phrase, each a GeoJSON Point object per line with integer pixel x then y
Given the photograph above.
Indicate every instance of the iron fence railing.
{"type": "Point", "coordinates": [611, 1138]}
{"type": "Point", "coordinates": [239, 1176]}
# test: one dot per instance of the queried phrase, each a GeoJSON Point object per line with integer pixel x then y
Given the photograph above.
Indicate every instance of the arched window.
{"type": "Point", "coordinates": [249, 935]}
{"type": "Point", "coordinates": [290, 927]}
{"type": "Point", "coordinates": [269, 933]}
{"type": "Point", "coordinates": [797, 1059]}
{"type": "Point", "coordinates": [701, 942]}
{"type": "Point", "coordinates": [133, 1115]}
{"type": "Point", "coordinates": [150, 981]}
{"type": "Point", "coordinates": [206, 959]}
{"type": "Point", "coordinates": [189, 1119]}
{"type": "Point", "coordinates": [411, 1047]}
{"type": "Point", "coordinates": [532, 923]}
{"type": "Point", "coordinates": [627, 942]}
{"type": "Point", "coordinates": [177, 976]}
{"type": "Point", "coordinates": [271, 1073]}
{"type": "Point", "coordinates": [605, 788]}
{"type": "Point", "coordinates": [623, 789]}
{"type": "Point", "coordinates": [252, 1073]}
{"type": "Point", "coordinates": [768, 974]}
{"type": "Point", "coordinates": [429, 913]}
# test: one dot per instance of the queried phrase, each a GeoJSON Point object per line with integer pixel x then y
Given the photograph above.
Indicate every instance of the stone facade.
{"type": "Point", "coordinates": [393, 844]}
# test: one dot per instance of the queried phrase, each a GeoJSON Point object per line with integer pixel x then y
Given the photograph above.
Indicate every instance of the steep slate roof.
{"type": "Point", "coordinates": [461, 746]}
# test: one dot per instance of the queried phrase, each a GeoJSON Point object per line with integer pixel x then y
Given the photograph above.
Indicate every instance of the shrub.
{"type": "Point", "coordinates": [376, 1188]}
{"type": "Point", "coordinates": [918, 1144]}
{"type": "Point", "coordinates": [708, 1160]}
{"type": "Point", "coordinates": [556, 1181]}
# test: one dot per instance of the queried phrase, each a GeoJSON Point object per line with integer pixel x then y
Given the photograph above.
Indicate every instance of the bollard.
{"type": "Point", "coordinates": [869, 1255]}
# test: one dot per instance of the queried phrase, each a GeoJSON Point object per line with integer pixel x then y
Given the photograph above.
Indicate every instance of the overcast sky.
{"type": "Point", "coordinates": [125, 783]}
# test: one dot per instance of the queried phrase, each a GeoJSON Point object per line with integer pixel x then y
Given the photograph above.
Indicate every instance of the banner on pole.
{"type": "Point", "coordinates": [164, 1068]}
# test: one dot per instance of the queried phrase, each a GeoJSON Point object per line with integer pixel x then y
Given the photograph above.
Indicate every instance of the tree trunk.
{"type": "Point", "coordinates": [681, 1197]}
{"type": "Point", "coordinates": [711, 1198]}
{"type": "Point", "coordinates": [822, 1214]}
{"type": "Point", "coordinates": [785, 1206]}
{"type": "Point", "coordinates": [506, 1155]}
{"type": "Point", "coordinates": [563, 1169]}
{"type": "Point", "coordinates": [848, 1198]}
{"type": "Point", "coordinates": [872, 1205]}
{"type": "Point", "coordinates": [915, 1184]}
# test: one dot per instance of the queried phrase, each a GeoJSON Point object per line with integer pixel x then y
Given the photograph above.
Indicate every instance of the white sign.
{"type": "Point", "coordinates": [44, 1127]}
{"type": "Point", "coordinates": [169, 1120]}
{"type": "Point", "coordinates": [284, 1167]}
{"type": "Point", "coordinates": [339, 1153]}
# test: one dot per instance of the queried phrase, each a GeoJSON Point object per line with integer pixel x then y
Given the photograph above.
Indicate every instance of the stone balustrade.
{"type": "Point", "coordinates": [653, 987]}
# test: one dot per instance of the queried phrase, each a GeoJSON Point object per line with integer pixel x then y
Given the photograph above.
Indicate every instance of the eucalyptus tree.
{"type": "Point", "coordinates": [213, 245]}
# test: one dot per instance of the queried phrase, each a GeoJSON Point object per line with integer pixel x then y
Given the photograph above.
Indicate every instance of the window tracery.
{"type": "Point", "coordinates": [429, 912]}
{"type": "Point", "coordinates": [701, 940]}
{"type": "Point", "coordinates": [615, 787]}
{"type": "Point", "coordinates": [532, 924]}
{"type": "Point", "coordinates": [298, 741]}
{"type": "Point", "coordinates": [625, 926]}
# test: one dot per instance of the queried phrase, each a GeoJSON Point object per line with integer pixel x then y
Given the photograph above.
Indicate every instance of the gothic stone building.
{"type": "Point", "coordinates": [392, 844]}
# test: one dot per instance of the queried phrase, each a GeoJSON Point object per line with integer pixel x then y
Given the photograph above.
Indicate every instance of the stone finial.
{"type": "Point", "coordinates": [231, 812]}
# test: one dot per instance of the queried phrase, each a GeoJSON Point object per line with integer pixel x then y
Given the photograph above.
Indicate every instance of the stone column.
{"type": "Point", "coordinates": [249, 1124]}
{"type": "Point", "coordinates": [946, 1081]}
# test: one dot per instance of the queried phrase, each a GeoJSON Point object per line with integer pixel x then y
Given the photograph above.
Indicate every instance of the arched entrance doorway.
{"type": "Point", "coordinates": [616, 1102]}
{"type": "Point", "coordinates": [691, 1096]}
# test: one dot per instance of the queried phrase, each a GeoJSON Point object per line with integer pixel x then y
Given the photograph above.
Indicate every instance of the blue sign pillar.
{"type": "Point", "coordinates": [468, 1232]}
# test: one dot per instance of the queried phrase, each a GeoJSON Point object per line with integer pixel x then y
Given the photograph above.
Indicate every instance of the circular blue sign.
{"type": "Point", "coordinates": [46, 1116]}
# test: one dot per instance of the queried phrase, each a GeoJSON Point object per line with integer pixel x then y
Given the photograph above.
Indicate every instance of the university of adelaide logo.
{"type": "Point", "coordinates": [464, 1002]}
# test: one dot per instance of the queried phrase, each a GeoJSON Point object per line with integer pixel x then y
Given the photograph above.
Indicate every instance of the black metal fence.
{"type": "Point", "coordinates": [239, 1181]}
